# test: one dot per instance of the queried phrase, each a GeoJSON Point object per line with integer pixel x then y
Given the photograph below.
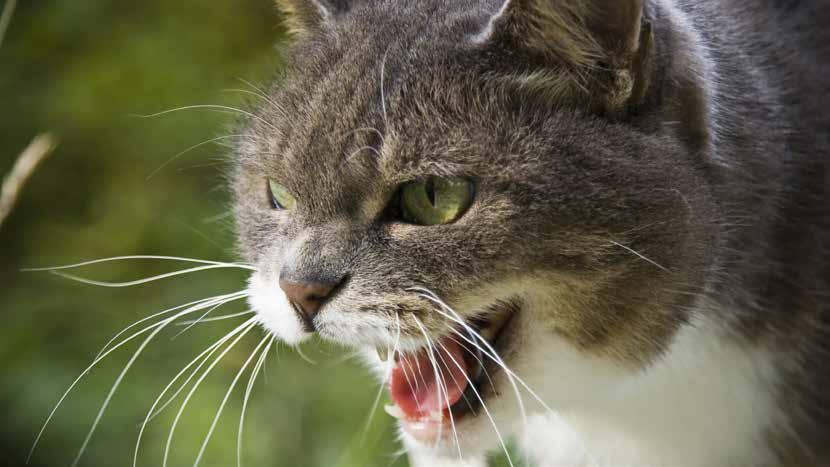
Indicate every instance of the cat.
{"type": "Point", "coordinates": [601, 228]}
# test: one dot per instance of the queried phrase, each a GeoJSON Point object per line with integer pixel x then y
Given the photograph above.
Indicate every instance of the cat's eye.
{"type": "Point", "coordinates": [279, 196]}
{"type": "Point", "coordinates": [435, 200]}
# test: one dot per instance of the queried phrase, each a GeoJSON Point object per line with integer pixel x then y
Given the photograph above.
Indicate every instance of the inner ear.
{"type": "Point", "coordinates": [604, 45]}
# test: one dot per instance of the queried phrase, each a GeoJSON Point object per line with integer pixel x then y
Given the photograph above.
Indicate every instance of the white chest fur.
{"type": "Point", "coordinates": [706, 403]}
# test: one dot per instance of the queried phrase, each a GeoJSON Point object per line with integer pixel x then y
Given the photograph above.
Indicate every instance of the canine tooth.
{"type": "Point", "coordinates": [383, 353]}
{"type": "Point", "coordinates": [394, 411]}
{"type": "Point", "coordinates": [436, 416]}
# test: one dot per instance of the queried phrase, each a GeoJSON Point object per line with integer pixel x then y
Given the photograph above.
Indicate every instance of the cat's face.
{"type": "Point", "coordinates": [571, 235]}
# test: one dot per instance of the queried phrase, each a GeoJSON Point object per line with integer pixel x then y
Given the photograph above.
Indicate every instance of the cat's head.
{"type": "Point", "coordinates": [518, 184]}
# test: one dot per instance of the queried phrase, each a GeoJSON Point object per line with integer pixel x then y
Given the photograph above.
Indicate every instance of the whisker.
{"type": "Point", "coordinates": [204, 315]}
{"type": "Point", "coordinates": [403, 368]}
{"type": "Point", "coordinates": [211, 107]}
{"type": "Point", "coordinates": [493, 354]}
{"type": "Point", "coordinates": [191, 148]}
{"type": "Point", "coordinates": [475, 356]}
{"type": "Point", "coordinates": [250, 325]}
{"type": "Point", "coordinates": [420, 373]}
{"type": "Point", "coordinates": [253, 93]}
{"type": "Point", "coordinates": [260, 91]}
{"type": "Point", "coordinates": [375, 405]}
{"type": "Point", "coordinates": [130, 257]}
{"type": "Point", "coordinates": [94, 363]}
{"type": "Point", "coordinates": [390, 365]}
{"type": "Point", "coordinates": [169, 310]}
{"type": "Point", "coordinates": [305, 357]}
{"type": "Point", "coordinates": [118, 380]}
{"type": "Point", "coordinates": [640, 255]}
{"type": "Point", "coordinates": [248, 390]}
{"type": "Point", "coordinates": [484, 406]}
{"type": "Point", "coordinates": [227, 396]}
{"type": "Point", "coordinates": [145, 280]}
{"type": "Point", "coordinates": [442, 383]}
{"type": "Point", "coordinates": [359, 150]}
{"type": "Point", "coordinates": [446, 365]}
{"type": "Point", "coordinates": [202, 358]}
{"type": "Point", "coordinates": [209, 351]}
{"type": "Point", "coordinates": [218, 217]}
{"type": "Point", "coordinates": [216, 318]}
{"type": "Point", "coordinates": [344, 358]}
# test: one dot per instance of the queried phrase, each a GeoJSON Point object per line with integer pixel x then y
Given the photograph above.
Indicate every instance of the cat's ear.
{"type": "Point", "coordinates": [303, 16]}
{"type": "Point", "coordinates": [604, 45]}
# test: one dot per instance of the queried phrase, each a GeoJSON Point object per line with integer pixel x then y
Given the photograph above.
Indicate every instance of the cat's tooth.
{"type": "Point", "coordinates": [383, 353]}
{"type": "Point", "coordinates": [436, 416]}
{"type": "Point", "coordinates": [394, 411]}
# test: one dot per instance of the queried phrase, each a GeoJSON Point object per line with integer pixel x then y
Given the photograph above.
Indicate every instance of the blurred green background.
{"type": "Point", "coordinates": [83, 70]}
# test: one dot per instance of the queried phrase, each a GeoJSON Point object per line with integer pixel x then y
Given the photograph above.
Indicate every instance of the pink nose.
{"type": "Point", "coordinates": [307, 297]}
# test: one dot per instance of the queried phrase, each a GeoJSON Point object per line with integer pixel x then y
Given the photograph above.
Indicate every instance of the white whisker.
{"type": "Point", "coordinates": [486, 410]}
{"type": "Point", "coordinates": [250, 325]}
{"type": "Point", "coordinates": [209, 351]}
{"type": "Point", "coordinates": [260, 91]}
{"type": "Point", "coordinates": [95, 362]}
{"type": "Point", "coordinates": [216, 318]}
{"type": "Point", "coordinates": [205, 314]}
{"type": "Point", "coordinates": [404, 365]}
{"type": "Point", "coordinates": [212, 107]}
{"type": "Point", "coordinates": [131, 257]}
{"type": "Point", "coordinates": [227, 396]}
{"type": "Point", "coordinates": [359, 150]}
{"type": "Point", "coordinates": [640, 255]}
{"type": "Point", "coordinates": [145, 280]}
{"type": "Point", "coordinates": [191, 148]}
{"type": "Point", "coordinates": [120, 377]}
{"type": "Point", "coordinates": [390, 365]}
{"type": "Point", "coordinates": [259, 365]}
{"type": "Point", "coordinates": [202, 358]}
{"type": "Point", "coordinates": [476, 357]}
{"type": "Point", "coordinates": [305, 357]}
{"type": "Point", "coordinates": [492, 354]}
{"type": "Point", "coordinates": [206, 301]}
{"type": "Point", "coordinates": [442, 383]}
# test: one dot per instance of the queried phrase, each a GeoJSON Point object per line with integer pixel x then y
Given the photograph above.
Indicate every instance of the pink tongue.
{"type": "Point", "coordinates": [414, 387]}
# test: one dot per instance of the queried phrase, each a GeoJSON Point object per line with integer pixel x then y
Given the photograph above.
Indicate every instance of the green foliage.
{"type": "Point", "coordinates": [84, 70]}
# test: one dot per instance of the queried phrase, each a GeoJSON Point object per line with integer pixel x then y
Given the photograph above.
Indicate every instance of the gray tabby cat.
{"type": "Point", "coordinates": [600, 227]}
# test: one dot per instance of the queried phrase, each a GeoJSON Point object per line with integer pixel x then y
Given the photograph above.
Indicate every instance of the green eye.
{"type": "Point", "coordinates": [436, 201]}
{"type": "Point", "coordinates": [280, 197]}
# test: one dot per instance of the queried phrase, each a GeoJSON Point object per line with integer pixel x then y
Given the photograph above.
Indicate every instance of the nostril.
{"type": "Point", "coordinates": [308, 297]}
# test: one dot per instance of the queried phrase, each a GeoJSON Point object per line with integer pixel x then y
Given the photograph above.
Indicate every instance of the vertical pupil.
{"type": "Point", "coordinates": [430, 188]}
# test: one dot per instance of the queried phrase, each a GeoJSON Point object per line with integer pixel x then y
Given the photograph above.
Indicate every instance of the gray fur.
{"type": "Point", "coordinates": [717, 173]}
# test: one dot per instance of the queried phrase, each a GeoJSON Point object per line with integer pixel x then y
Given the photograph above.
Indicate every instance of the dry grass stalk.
{"type": "Point", "coordinates": [6, 18]}
{"type": "Point", "coordinates": [25, 166]}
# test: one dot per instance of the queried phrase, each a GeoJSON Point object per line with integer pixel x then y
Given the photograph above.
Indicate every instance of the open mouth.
{"type": "Point", "coordinates": [439, 386]}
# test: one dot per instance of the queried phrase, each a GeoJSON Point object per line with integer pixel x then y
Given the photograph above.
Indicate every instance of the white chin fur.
{"type": "Point", "coordinates": [274, 311]}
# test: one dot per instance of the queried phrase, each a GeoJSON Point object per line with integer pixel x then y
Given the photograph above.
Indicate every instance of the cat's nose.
{"type": "Point", "coordinates": [308, 297]}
